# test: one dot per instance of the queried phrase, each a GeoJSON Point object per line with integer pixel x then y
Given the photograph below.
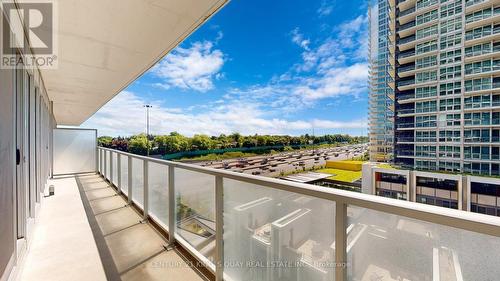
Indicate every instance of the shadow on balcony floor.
{"type": "Point", "coordinates": [129, 248]}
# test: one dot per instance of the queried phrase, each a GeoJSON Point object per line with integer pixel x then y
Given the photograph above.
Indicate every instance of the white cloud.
{"type": "Point", "coordinates": [121, 116]}
{"type": "Point", "coordinates": [192, 68]}
{"type": "Point", "coordinates": [298, 38]}
{"type": "Point", "coordinates": [325, 9]}
{"type": "Point", "coordinates": [349, 80]}
{"type": "Point", "coordinates": [335, 67]}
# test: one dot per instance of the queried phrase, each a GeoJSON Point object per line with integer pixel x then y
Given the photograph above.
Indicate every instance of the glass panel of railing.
{"type": "Point", "coordinates": [114, 179]}
{"type": "Point", "coordinates": [195, 210]}
{"type": "Point", "coordinates": [108, 164]}
{"type": "Point", "coordinates": [99, 162]}
{"type": "Point", "coordinates": [158, 193]}
{"type": "Point", "coordinates": [124, 172]}
{"type": "Point", "coordinates": [277, 235]}
{"type": "Point", "coordinates": [138, 181]}
{"type": "Point", "coordinates": [398, 248]}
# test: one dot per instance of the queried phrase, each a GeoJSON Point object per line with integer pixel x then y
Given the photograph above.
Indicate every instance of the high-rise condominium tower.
{"type": "Point", "coordinates": [382, 84]}
{"type": "Point", "coordinates": [447, 95]}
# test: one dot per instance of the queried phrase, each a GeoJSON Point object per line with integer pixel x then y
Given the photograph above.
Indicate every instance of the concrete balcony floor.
{"type": "Point", "coordinates": [86, 231]}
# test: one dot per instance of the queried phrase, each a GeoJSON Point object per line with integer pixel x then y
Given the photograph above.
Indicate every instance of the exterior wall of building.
{"type": "Point", "coordinates": [381, 97]}
{"type": "Point", "coordinates": [448, 85]}
{"type": "Point", "coordinates": [7, 179]}
{"type": "Point", "coordinates": [462, 192]}
{"type": "Point", "coordinates": [26, 124]}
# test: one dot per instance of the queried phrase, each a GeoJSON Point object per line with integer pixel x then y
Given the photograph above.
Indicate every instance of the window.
{"type": "Point", "coordinates": [451, 9]}
{"type": "Point", "coordinates": [450, 104]}
{"type": "Point", "coordinates": [451, 56]}
{"type": "Point", "coordinates": [425, 136]}
{"type": "Point", "coordinates": [477, 152]}
{"type": "Point", "coordinates": [450, 72]}
{"type": "Point", "coordinates": [478, 50]}
{"type": "Point", "coordinates": [426, 106]}
{"type": "Point", "coordinates": [426, 32]}
{"type": "Point", "coordinates": [426, 76]}
{"type": "Point", "coordinates": [425, 151]}
{"type": "Point", "coordinates": [449, 166]}
{"type": "Point", "coordinates": [425, 165]}
{"type": "Point", "coordinates": [477, 101]}
{"type": "Point", "coordinates": [482, 66]}
{"type": "Point", "coordinates": [424, 92]}
{"type": "Point", "coordinates": [425, 3]}
{"type": "Point", "coordinates": [426, 62]}
{"type": "Point", "coordinates": [477, 118]}
{"type": "Point", "coordinates": [477, 135]}
{"type": "Point", "coordinates": [479, 15]}
{"type": "Point", "coordinates": [451, 40]}
{"type": "Point", "coordinates": [452, 88]}
{"type": "Point", "coordinates": [477, 84]}
{"type": "Point", "coordinates": [451, 25]}
{"type": "Point", "coordinates": [426, 121]}
{"type": "Point", "coordinates": [453, 120]}
{"type": "Point", "coordinates": [449, 136]}
{"type": "Point", "coordinates": [449, 151]}
{"type": "Point", "coordinates": [426, 47]}
{"type": "Point", "coordinates": [427, 17]}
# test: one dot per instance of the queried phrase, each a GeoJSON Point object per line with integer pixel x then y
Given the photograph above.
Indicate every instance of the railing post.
{"type": "Point", "coordinates": [219, 228]}
{"type": "Point", "coordinates": [171, 204]}
{"type": "Point", "coordinates": [145, 180]}
{"type": "Point", "coordinates": [119, 172]}
{"type": "Point", "coordinates": [129, 186]}
{"type": "Point", "coordinates": [340, 241]}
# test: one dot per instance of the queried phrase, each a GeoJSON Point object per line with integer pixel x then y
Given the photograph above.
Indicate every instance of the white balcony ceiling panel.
{"type": "Point", "coordinates": [103, 46]}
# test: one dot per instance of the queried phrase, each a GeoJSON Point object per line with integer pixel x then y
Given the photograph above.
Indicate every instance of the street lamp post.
{"type": "Point", "coordinates": [147, 106]}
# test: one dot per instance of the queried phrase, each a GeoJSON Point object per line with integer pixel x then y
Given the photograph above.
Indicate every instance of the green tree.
{"type": "Point", "coordinates": [104, 141]}
{"type": "Point", "coordinates": [139, 144]}
{"type": "Point", "coordinates": [201, 142]}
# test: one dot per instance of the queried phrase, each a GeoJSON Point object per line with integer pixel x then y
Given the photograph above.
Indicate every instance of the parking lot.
{"type": "Point", "coordinates": [287, 162]}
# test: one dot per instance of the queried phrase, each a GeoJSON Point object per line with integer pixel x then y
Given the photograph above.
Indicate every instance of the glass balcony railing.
{"type": "Point", "coordinates": [406, 68]}
{"type": "Point", "coordinates": [473, 2]}
{"type": "Point", "coordinates": [405, 125]}
{"type": "Point", "coordinates": [406, 83]}
{"type": "Point", "coordinates": [407, 39]}
{"type": "Point", "coordinates": [405, 153]}
{"type": "Point", "coordinates": [407, 12]}
{"type": "Point", "coordinates": [406, 54]}
{"type": "Point", "coordinates": [407, 26]}
{"type": "Point", "coordinates": [406, 111]}
{"type": "Point", "coordinates": [405, 139]}
{"type": "Point", "coordinates": [406, 97]}
{"type": "Point", "coordinates": [244, 227]}
{"type": "Point", "coordinates": [476, 139]}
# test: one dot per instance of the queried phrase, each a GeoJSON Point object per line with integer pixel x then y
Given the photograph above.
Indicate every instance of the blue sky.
{"type": "Point", "coordinates": [266, 67]}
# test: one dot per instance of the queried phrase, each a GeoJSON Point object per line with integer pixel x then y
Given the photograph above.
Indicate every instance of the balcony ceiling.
{"type": "Point", "coordinates": [106, 45]}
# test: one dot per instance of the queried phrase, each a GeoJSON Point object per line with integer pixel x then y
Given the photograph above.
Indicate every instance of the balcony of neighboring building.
{"type": "Point", "coordinates": [479, 18]}
{"type": "Point", "coordinates": [477, 5]}
{"type": "Point", "coordinates": [482, 34]}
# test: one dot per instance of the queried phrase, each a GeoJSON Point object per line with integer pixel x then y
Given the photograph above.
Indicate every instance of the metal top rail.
{"type": "Point", "coordinates": [473, 222]}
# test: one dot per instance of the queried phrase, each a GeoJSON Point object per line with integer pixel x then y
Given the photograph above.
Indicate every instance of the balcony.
{"type": "Point", "coordinates": [405, 139]}
{"type": "Point", "coordinates": [255, 214]}
{"type": "Point", "coordinates": [405, 126]}
{"type": "Point", "coordinates": [120, 216]}
{"type": "Point", "coordinates": [406, 111]}
{"type": "Point", "coordinates": [223, 218]}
